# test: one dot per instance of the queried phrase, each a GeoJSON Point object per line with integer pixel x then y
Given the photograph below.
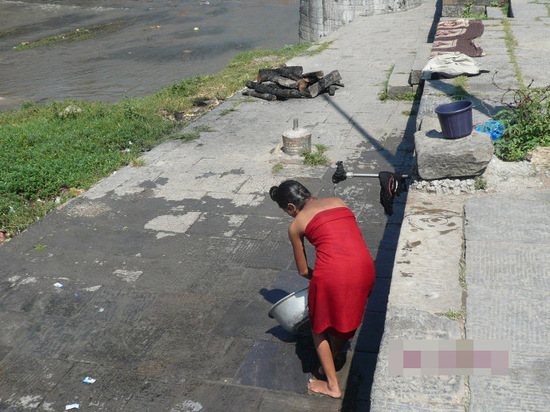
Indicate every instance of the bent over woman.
{"type": "Point", "coordinates": [343, 276]}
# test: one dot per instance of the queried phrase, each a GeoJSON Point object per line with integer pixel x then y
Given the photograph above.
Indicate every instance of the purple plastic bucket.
{"type": "Point", "coordinates": [455, 118]}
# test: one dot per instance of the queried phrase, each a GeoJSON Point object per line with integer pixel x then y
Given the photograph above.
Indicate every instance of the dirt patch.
{"type": "Point", "coordinates": [515, 176]}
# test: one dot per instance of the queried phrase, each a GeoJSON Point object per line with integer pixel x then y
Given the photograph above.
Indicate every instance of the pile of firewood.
{"type": "Point", "coordinates": [287, 82]}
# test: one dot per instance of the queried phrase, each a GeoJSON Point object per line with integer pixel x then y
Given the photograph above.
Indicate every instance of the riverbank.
{"type": "Point", "coordinates": [57, 150]}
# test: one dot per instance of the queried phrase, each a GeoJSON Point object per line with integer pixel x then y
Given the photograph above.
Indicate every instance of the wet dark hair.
{"type": "Point", "coordinates": [290, 191]}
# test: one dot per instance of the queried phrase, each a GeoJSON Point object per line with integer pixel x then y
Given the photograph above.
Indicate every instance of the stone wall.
{"type": "Point", "coordinates": [456, 8]}
{"type": "Point", "coordinates": [318, 18]}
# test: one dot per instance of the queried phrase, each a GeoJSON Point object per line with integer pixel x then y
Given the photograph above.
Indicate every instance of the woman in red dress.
{"type": "Point", "coordinates": [343, 276]}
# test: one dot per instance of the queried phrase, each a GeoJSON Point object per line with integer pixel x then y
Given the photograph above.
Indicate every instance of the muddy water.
{"type": "Point", "coordinates": [159, 43]}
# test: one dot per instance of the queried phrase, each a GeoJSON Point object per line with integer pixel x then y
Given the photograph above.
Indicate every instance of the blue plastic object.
{"type": "Point", "coordinates": [455, 118]}
{"type": "Point", "coordinates": [495, 129]}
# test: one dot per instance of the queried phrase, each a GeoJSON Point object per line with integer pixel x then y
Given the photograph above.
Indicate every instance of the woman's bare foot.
{"type": "Point", "coordinates": [316, 386]}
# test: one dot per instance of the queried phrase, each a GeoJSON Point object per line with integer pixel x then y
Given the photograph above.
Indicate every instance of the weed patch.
{"type": "Point", "coordinates": [383, 95]}
{"type": "Point", "coordinates": [137, 162]}
{"type": "Point", "coordinates": [511, 44]}
{"type": "Point", "coordinates": [453, 314]}
{"type": "Point", "coordinates": [205, 129]}
{"type": "Point", "coordinates": [526, 122]}
{"type": "Point", "coordinates": [319, 49]}
{"type": "Point", "coordinates": [318, 158]}
{"type": "Point", "coordinates": [277, 168]}
{"type": "Point", "coordinates": [480, 183]}
{"type": "Point", "coordinates": [466, 13]}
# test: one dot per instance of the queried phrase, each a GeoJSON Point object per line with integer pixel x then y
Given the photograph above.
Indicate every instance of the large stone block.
{"type": "Point", "coordinates": [441, 158]}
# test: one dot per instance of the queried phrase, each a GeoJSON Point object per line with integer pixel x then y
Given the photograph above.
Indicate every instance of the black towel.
{"type": "Point", "coordinates": [391, 185]}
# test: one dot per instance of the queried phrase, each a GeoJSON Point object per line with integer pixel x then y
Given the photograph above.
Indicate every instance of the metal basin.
{"type": "Point", "coordinates": [291, 311]}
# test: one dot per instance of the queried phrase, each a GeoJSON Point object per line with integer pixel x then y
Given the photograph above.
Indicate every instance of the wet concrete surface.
{"type": "Point", "coordinates": [169, 270]}
{"type": "Point", "coordinates": [165, 321]}
{"type": "Point", "coordinates": [158, 43]}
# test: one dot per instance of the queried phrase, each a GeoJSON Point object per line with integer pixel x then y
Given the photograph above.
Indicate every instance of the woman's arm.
{"type": "Point", "coordinates": [297, 240]}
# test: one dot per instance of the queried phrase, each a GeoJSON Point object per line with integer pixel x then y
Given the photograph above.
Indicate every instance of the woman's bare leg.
{"type": "Point", "coordinates": [331, 386]}
{"type": "Point", "coordinates": [336, 345]}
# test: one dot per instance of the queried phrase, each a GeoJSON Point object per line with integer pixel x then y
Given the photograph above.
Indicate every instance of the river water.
{"type": "Point", "coordinates": [158, 43]}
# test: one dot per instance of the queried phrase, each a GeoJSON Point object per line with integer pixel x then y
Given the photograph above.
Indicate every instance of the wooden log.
{"type": "Point", "coordinates": [277, 91]}
{"type": "Point", "coordinates": [290, 72]}
{"type": "Point", "coordinates": [317, 88]}
{"type": "Point", "coordinates": [312, 77]}
{"type": "Point", "coordinates": [265, 96]}
{"type": "Point", "coordinates": [280, 80]}
{"type": "Point", "coordinates": [302, 84]}
{"type": "Point", "coordinates": [332, 90]}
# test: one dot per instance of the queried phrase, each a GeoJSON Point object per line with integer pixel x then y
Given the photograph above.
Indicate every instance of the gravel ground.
{"type": "Point", "coordinates": [498, 177]}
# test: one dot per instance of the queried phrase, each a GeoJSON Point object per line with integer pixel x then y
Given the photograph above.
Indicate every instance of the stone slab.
{"type": "Point", "coordinates": [101, 395]}
{"type": "Point", "coordinates": [246, 320]}
{"type": "Point", "coordinates": [195, 395]}
{"type": "Point", "coordinates": [426, 269]}
{"type": "Point", "coordinates": [277, 366]}
{"type": "Point", "coordinates": [495, 13]}
{"type": "Point", "coordinates": [421, 392]}
{"type": "Point", "coordinates": [508, 296]}
{"type": "Point", "coordinates": [528, 380]}
{"type": "Point", "coordinates": [439, 158]}
{"type": "Point", "coordinates": [503, 207]}
{"type": "Point", "coordinates": [398, 84]}
{"type": "Point", "coordinates": [25, 379]}
{"type": "Point", "coordinates": [287, 401]}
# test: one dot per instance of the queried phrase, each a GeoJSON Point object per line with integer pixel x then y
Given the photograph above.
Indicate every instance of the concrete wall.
{"type": "Point", "coordinates": [318, 18]}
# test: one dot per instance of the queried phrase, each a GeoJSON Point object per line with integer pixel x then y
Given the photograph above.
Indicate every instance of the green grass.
{"type": "Point", "coordinates": [460, 91]}
{"type": "Point", "coordinates": [511, 44]}
{"type": "Point", "coordinates": [320, 48]}
{"type": "Point", "coordinates": [480, 183]}
{"type": "Point", "coordinates": [453, 314]}
{"type": "Point", "coordinates": [318, 158]}
{"type": "Point", "coordinates": [48, 155]}
{"type": "Point", "coordinates": [137, 162]}
{"type": "Point", "coordinates": [277, 168]}
{"type": "Point", "coordinates": [405, 96]}
{"type": "Point", "coordinates": [462, 274]}
{"type": "Point", "coordinates": [383, 95]}
{"type": "Point", "coordinates": [237, 104]}
{"type": "Point", "coordinates": [412, 112]}
{"type": "Point", "coordinates": [461, 82]}
{"type": "Point", "coordinates": [227, 111]}
{"type": "Point", "coordinates": [506, 8]}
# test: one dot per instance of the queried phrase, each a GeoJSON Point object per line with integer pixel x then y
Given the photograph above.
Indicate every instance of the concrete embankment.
{"type": "Point", "coordinates": [471, 266]}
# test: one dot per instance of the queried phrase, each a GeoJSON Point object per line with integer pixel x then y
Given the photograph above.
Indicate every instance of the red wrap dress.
{"type": "Point", "coordinates": [343, 276]}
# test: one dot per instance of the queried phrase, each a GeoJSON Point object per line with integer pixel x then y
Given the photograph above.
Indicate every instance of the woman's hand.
{"type": "Point", "coordinates": [309, 274]}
